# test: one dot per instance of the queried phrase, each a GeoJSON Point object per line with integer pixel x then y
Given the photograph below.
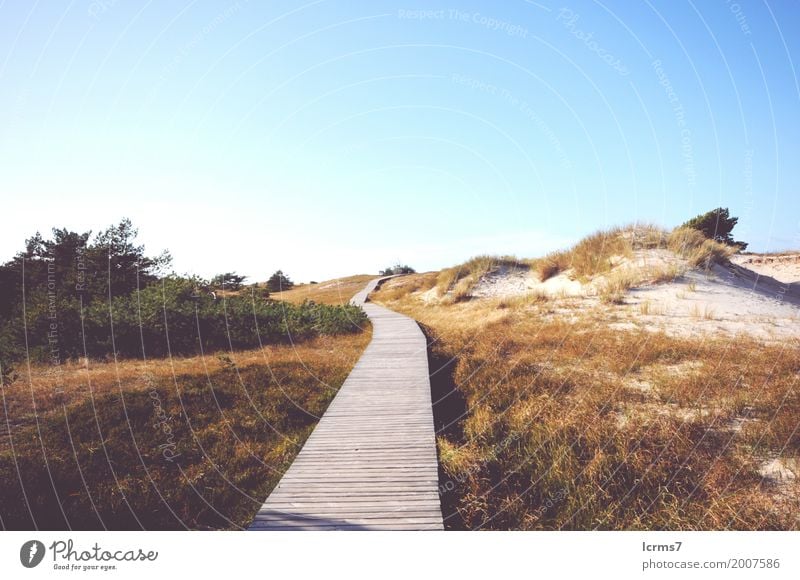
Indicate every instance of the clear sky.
{"type": "Point", "coordinates": [333, 137]}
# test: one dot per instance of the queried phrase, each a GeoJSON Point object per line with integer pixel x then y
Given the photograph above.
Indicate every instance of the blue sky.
{"type": "Point", "coordinates": [332, 137]}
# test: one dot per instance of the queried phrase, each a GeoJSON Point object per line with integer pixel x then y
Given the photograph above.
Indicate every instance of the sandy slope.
{"type": "Point", "coordinates": [506, 282]}
{"type": "Point", "coordinates": [723, 301]}
{"type": "Point", "coordinates": [782, 267]}
{"type": "Point", "coordinates": [754, 295]}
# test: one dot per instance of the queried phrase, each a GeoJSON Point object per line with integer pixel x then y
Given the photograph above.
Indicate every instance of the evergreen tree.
{"type": "Point", "coordinates": [228, 281]}
{"type": "Point", "coordinates": [397, 269]}
{"type": "Point", "coordinates": [716, 224]}
{"type": "Point", "coordinates": [279, 281]}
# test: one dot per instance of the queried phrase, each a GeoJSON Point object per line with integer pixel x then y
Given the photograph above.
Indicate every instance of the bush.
{"type": "Point", "coordinates": [171, 318]}
{"type": "Point", "coordinates": [7, 354]}
{"type": "Point", "coordinates": [644, 236]}
{"type": "Point", "coordinates": [612, 289]}
{"type": "Point", "coordinates": [330, 321]}
{"type": "Point", "coordinates": [7, 373]}
{"type": "Point", "coordinates": [397, 269]}
{"type": "Point", "coordinates": [105, 297]}
{"type": "Point", "coordinates": [279, 282]}
{"type": "Point", "coordinates": [716, 225]}
{"type": "Point", "coordinates": [258, 291]}
{"type": "Point", "coordinates": [228, 281]}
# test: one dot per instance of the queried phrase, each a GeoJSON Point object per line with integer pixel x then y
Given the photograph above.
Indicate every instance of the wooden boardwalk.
{"type": "Point", "coordinates": [370, 463]}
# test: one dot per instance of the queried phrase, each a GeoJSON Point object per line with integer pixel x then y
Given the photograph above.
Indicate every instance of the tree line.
{"type": "Point", "coordinates": [77, 294]}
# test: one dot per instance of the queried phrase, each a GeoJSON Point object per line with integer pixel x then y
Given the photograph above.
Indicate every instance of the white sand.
{"type": "Point", "coordinates": [783, 268]}
{"type": "Point", "coordinates": [720, 302]}
{"type": "Point", "coordinates": [725, 301]}
{"type": "Point", "coordinates": [506, 282]}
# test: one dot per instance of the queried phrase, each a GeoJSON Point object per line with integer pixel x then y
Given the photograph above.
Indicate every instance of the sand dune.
{"type": "Point", "coordinates": [757, 295]}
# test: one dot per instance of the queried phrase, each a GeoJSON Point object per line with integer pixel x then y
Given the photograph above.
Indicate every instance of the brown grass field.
{"type": "Point", "coordinates": [193, 443]}
{"type": "Point", "coordinates": [551, 416]}
{"type": "Point", "coordinates": [334, 292]}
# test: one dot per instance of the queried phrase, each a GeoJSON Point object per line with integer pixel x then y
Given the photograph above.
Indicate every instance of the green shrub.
{"type": "Point", "coordinates": [397, 269]}
{"type": "Point", "coordinates": [279, 282]}
{"type": "Point", "coordinates": [7, 354]}
{"type": "Point", "coordinates": [102, 297]}
{"type": "Point", "coordinates": [716, 225]}
{"type": "Point", "coordinates": [171, 318]}
{"type": "Point", "coordinates": [7, 373]}
{"type": "Point", "coordinates": [228, 281]}
{"type": "Point", "coordinates": [330, 321]}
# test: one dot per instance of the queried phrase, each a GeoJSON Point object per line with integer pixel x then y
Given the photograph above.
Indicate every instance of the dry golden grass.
{"type": "Point", "coordinates": [607, 262]}
{"type": "Point", "coordinates": [396, 288]}
{"type": "Point", "coordinates": [709, 253]}
{"type": "Point", "coordinates": [337, 291]}
{"type": "Point", "coordinates": [597, 253]}
{"type": "Point", "coordinates": [646, 236]}
{"type": "Point", "coordinates": [189, 443]}
{"type": "Point", "coordinates": [571, 423]}
{"type": "Point", "coordinates": [697, 249]}
{"type": "Point", "coordinates": [534, 297]}
{"type": "Point", "coordinates": [74, 380]}
{"type": "Point", "coordinates": [613, 287]}
{"type": "Point", "coordinates": [683, 241]}
{"type": "Point", "coordinates": [664, 273]}
{"type": "Point", "coordinates": [551, 265]}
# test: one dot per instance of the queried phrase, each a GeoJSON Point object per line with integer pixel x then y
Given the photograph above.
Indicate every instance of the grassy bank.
{"type": "Point", "coordinates": [177, 443]}
{"type": "Point", "coordinates": [332, 292]}
{"type": "Point", "coordinates": [561, 417]}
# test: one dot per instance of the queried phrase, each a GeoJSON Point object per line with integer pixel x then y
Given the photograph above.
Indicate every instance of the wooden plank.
{"type": "Point", "coordinates": [370, 464]}
{"type": "Point", "coordinates": [299, 526]}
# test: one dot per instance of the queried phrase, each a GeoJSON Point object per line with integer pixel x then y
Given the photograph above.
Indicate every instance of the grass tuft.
{"type": "Point", "coordinates": [697, 249]}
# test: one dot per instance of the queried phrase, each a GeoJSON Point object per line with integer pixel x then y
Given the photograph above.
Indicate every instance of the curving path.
{"type": "Point", "coordinates": [370, 463]}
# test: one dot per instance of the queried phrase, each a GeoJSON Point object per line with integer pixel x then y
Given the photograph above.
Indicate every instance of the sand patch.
{"type": "Point", "coordinates": [504, 281]}
{"type": "Point", "coordinates": [782, 267]}
{"type": "Point", "coordinates": [780, 469]}
{"type": "Point", "coordinates": [722, 301]}
{"type": "Point", "coordinates": [507, 282]}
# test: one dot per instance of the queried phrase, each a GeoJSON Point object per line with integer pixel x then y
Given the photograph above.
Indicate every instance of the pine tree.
{"type": "Point", "coordinates": [716, 224]}
{"type": "Point", "coordinates": [279, 281]}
